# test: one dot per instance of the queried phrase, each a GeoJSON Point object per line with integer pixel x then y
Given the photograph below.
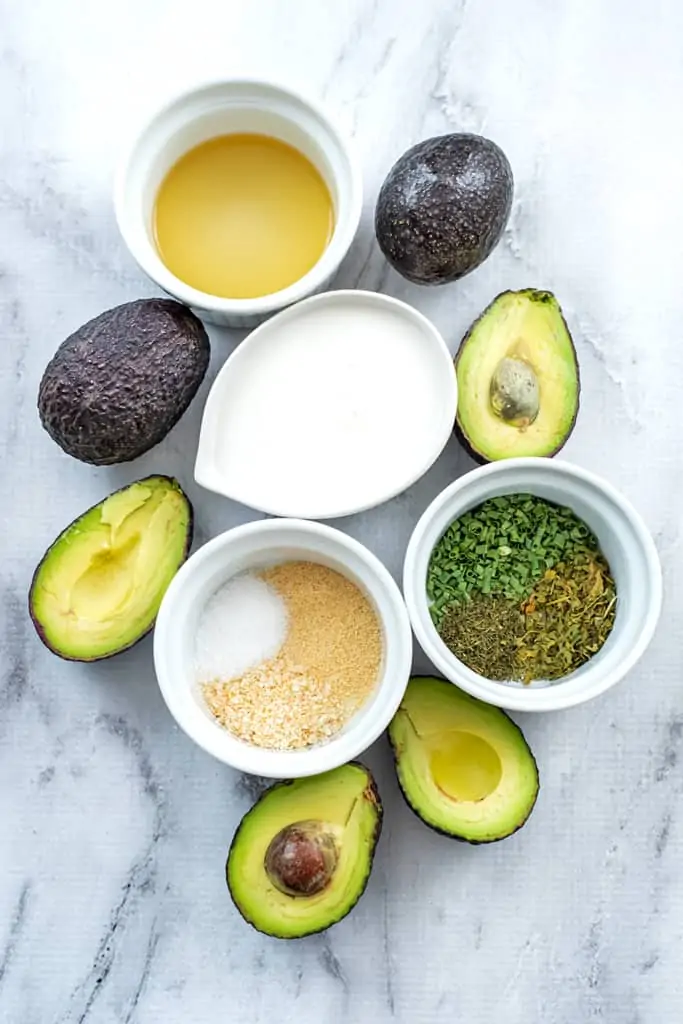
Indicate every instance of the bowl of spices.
{"type": "Point", "coordinates": [283, 648]}
{"type": "Point", "coordinates": [532, 584]}
{"type": "Point", "coordinates": [239, 198]}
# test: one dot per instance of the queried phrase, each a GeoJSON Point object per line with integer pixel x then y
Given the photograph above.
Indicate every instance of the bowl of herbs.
{"type": "Point", "coordinates": [532, 584]}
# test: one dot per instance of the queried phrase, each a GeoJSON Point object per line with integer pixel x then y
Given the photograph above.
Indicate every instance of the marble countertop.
{"type": "Point", "coordinates": [113, 906]}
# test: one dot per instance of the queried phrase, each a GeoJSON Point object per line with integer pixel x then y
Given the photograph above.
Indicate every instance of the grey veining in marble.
{"type": "Point", "coordinates": [113, 827]}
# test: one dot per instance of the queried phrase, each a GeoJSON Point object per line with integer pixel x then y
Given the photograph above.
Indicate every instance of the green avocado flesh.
{"type": "Point", "coordinates": [99, 586]}
{"type": "Point", "coordinates": [518, 378]}
{"type": "Point", "coordinates": [464, 767]}
{"type": "Point", "coordinates": [320, 834]}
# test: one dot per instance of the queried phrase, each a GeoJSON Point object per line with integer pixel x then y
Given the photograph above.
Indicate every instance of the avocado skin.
{"type": "Point", "coordinates": [443, 207]}
{"type": "Point", "coordinates": [188, 544]}
{"type": "Point", "coordinates": [373, 794]}
{"type": "Point", "coordinates": [450, 835]}
{"type": "Point", "coordinates": [118, 384]}
{"type": "Point", "coordinates": [462, 438]}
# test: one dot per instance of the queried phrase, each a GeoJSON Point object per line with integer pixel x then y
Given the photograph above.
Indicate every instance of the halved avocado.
{"type": "Point", "coordinates": [463, 766]}
{"type": "Point", "coordinates": [98, 588]}
{"type": "Point", "coordinates": [518, 379]}
{"type": "Point", "coordinates": [302, 856]}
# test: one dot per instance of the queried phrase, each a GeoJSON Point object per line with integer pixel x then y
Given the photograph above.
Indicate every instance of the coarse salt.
{"type": "Point", "coordinates": [243, 623]}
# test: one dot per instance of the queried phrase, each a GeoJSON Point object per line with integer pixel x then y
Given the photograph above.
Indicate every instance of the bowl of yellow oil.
{"type": "Point", "coordinates": [239, 198]}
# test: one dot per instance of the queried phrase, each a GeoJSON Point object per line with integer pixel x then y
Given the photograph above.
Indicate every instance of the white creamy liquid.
{"type": "Point", "coordinates": [333, 409]}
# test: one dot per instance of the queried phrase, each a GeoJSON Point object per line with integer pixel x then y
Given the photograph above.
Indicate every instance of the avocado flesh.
{"type": "Point", "coordinates": [99, 586]}
{"type": "Point", "coordinates": [464, 767]}
{"type": "Point", "coordinates": [345, 801]}
{"type": "Point", "coordinates": [521, 337]}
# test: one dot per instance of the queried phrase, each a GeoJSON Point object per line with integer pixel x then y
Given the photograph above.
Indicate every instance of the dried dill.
{"type": "Point", "coordinates": [484, 632]}
{"type": "Point", "coordinates": [567, 618]}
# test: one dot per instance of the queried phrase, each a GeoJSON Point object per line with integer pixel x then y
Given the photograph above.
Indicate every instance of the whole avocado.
{"type": "Point", "coordinates": [443, 207]}
{"type": "Point", "coordinates": [117, 385]}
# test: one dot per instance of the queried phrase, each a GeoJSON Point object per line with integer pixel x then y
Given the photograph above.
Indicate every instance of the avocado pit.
{"type": "Point", "coordinates": [301, 859]}
{"type": "Point", "coordinates": [514, 392]}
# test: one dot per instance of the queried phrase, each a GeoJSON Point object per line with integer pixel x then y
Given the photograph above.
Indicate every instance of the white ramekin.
{"type": "Point", "coordinates": [220, 108]}
{"type": "Point", "coordinates": [624, 539]}
{"type": "Point", "coordinates": [252, 546]}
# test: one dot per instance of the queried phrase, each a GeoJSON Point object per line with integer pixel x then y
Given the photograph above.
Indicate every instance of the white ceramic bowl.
{"type": "Point", "coordinates": [252, 546]}
{"type": "Point", "coordinates": [331, 407]}
{"type": "Point", "coordinates": [222, 108]}
{"type": "Point", "coordinates": [624, 539]}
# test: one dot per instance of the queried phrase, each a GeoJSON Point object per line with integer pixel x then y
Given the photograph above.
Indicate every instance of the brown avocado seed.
{"type": "Point", "coordinates": [301, 859]}
{"type": "Point", "coordinates": [514, 393]}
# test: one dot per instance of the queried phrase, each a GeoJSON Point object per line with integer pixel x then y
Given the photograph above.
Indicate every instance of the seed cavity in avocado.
{"type": "Point", "coordinates": [514, 392]}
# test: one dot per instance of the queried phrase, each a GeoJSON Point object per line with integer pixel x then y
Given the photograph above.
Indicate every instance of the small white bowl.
{"type": "Point", "coordinates": [255, 546]}
{"type": "Point", "coordinates": [624, 540]}
{"type": "Point", "coordinates": [331, 407]}
{"type": "Point", "coordinates": [223, 108]}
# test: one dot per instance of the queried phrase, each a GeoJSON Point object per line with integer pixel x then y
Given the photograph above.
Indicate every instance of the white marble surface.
{"type": "Point", "coordinates": [114, 828]}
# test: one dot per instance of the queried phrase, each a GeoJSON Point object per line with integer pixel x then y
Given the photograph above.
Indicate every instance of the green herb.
{"type": "Point", "coordinates": [502, 548]}
{"type": "Point", "coordinates": [483, 633]}
{"type": "Point", "coordinates": [558, 627]}
{"type": "Point", "coordinates": [568, 617]}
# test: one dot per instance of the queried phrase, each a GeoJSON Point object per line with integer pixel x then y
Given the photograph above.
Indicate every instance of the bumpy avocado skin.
{"type": "Point", "coordinates": [462, 438]}
{"type": "Point", "coordinates": [371, 793]}
{"type": "Point", "coordinates": [451, 835]}
{"type": "Point", "coordinates": [117, 385]}
{"type": "Point", "coordinates": [443, 207]}
{"type": "Point", "coordinates": [172, 482]}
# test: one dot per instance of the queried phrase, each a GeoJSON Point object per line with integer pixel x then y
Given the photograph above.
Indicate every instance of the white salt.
{"type": "Point", "coordinates": [243, 624]}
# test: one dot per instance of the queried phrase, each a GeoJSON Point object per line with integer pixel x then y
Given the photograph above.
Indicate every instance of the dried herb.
{"type": "Point", "coordinates": [484, 632]}
{"type": "Point", "coordinates": [562, 623]}
{"type": "Point", "coordinates": [568, 617]}
{"type": "Point", "coordinates": [503, 547]}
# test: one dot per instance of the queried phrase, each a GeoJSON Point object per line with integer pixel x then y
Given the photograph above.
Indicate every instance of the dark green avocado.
{"type": "Point", "coordinates": [443, 207]}
{"type": "Point", "coordinates": [117, 385]}
{"type": "Point", "coordinates": [98, 587]}
{"type": "Point", "coordinates": [463, 766]}
{"type": "Point", "coordinates": [518, 379]}
{"type": "Point", "coordinates": [301, 857]}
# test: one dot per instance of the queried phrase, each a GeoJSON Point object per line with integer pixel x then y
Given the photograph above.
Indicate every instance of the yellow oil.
{"type": "Point", "coordinates": [464, 766]}
{"type": "Point", "coordinates": [241, 216]}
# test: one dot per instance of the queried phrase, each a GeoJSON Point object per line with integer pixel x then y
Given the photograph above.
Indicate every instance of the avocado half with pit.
{"type": "Point", "coordinates": [98, 588]}
{"type": "Point", "coordinates": [518, 379]}
{"type": "Point", "coordinates": [301, 857]}
{"type": "Point", "coordinates": [463, 766]}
